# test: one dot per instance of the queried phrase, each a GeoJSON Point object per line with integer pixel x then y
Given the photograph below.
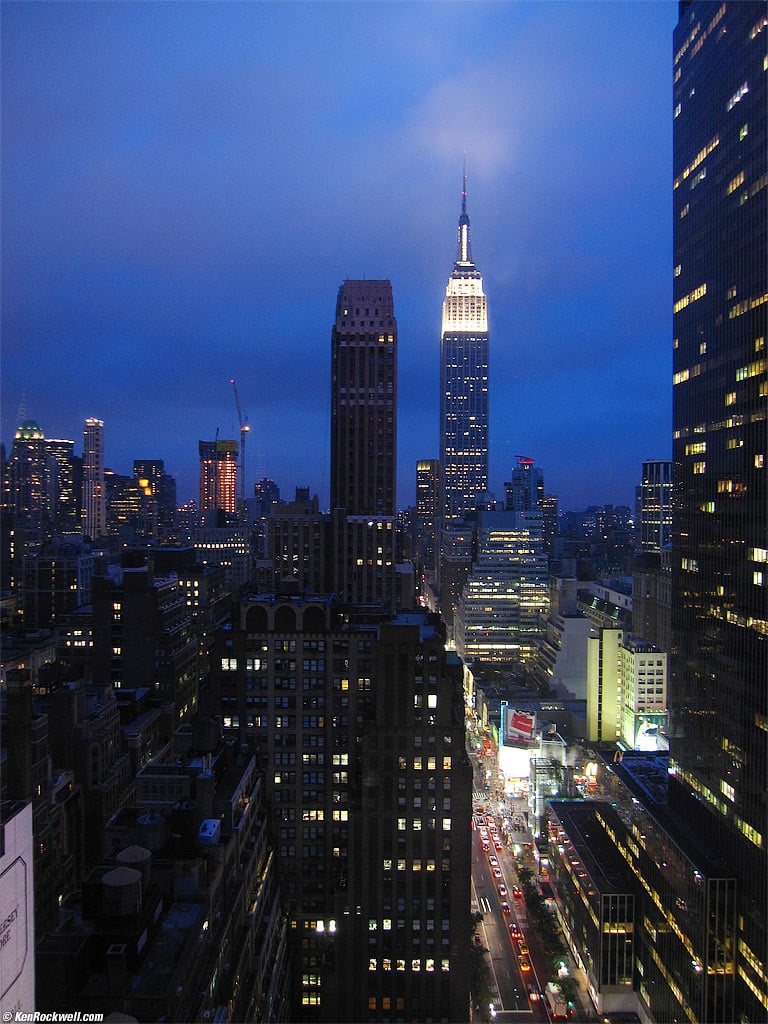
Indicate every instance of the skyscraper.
{"type": "Point", "coordinates": [94, 486]}
{"type": "Point", "coordinates": [358, 719]}
{"type": "Point", "coordinates": [159, 492]}
{"type": "Point", "coordinates": [718, 692]}
{"type": "Point", "coordinates": [364, 441]}
{"type": "Point", "coordinates": [525, 491]}
{"type": "Point", "coordinates": [66, 470]}
{"type": "Point", "coordinates": [464, 382]}
{"type": "Point", "coordinates": [31, 475]}
{"type": "Point", "coordinates": [502, 607]}
{"type": "Point", "coordinates": [654, 526]}
{"type": "Point", "coordinates": [425, 521]}
{"type": "Point", "coordinates": [218, 475]}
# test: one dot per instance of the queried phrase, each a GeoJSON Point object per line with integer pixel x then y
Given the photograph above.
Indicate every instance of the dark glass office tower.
{"type": "Point", "coordinates": [719, 691]}
{"type": "Point", "coordinates": [364, 441]}
{"type": "Point", "coordinates": [653, 522]}
{"type": "Point", "coordinates": [464, 382]}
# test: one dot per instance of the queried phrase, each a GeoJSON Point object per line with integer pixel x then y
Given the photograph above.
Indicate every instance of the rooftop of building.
{"type": "Point", "coordinates": [13, 645]}
{"type": "Point", "coordinates": [158, 970]}
{"type": "Point", "coordinates": [605, 608]}
{"type": "Point", "coordinates": [638, 645]}
{"type": "Point", "coordinates": [275, 597]}
{"type": "Point", "coordinates": [427, 629]}
{"type": "Point", "coordinates": [9, 809]}
{"type": "Point", "coordinates": [646, 776]}
{"type": "Point", "coordinates": [597, 854]}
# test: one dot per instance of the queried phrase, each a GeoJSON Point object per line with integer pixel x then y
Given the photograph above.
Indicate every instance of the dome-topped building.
{"type": "Point", "coordinates": [41, 482]}
{"type": "Point", "coordinates": [29, 430]}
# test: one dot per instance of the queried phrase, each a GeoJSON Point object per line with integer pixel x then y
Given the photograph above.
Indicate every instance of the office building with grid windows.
{"type": "Point", "coordinates": [719, 665]}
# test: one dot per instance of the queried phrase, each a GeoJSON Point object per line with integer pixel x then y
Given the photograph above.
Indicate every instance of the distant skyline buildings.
{"type": "Point", "coordinates": [535, 218]}
{"type": "Point", "coordinates": [159, 490]}
{"type": "Point", "coordinates": [654, 507]}
{"type": "Point", "coordinates": [94, 484]}
{"type": "Point", "coordinates": [29, 483]}
{"type": "Point", "coordinates": [526, 488]}
{"type": "Point", "coordinates": [463, 381]}
{"type": "Point", "coordinates": [218, 475]}
{"type": "Point", "coordinates": [500, 613]}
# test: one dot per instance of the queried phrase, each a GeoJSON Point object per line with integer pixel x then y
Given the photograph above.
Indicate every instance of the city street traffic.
{"type": "Point", "coordinates": [518, 968]}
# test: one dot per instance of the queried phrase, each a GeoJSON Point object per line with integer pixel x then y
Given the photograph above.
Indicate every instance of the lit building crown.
{"type": "Point", "coordinates": [465, 308]}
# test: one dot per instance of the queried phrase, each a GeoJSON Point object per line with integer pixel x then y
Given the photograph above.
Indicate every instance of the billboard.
{"type": "Point", "coordinates": [17, 912]}
{"type": "Point", "coordinates": [518, 725]}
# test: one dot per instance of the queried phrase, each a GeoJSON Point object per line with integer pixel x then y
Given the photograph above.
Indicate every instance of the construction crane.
{"type": "Point", "coordinates": [244, 428]}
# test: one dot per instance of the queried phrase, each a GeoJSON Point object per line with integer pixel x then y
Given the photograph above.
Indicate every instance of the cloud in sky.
{"type": "Point", "coordinates": [185, 186]}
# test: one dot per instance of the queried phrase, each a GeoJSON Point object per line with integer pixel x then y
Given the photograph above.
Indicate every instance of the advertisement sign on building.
{"type": "Point", "coordinates": [518, 725]}
{"type": "Point", "coordinates": [17, 969]}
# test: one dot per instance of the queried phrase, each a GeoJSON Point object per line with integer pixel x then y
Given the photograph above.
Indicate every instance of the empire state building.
{"type": "Point", "coordinates": [464, 382]}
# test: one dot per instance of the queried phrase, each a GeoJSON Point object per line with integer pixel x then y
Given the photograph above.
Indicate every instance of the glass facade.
{"type": "Point", "coordinates": [655, 506]}
{"type": "Point", "coordinates": [596, 901]}
{"type": "Point", "coordinates": [685, 895]}
{"type": "Point", "coordinates": [719, 689]}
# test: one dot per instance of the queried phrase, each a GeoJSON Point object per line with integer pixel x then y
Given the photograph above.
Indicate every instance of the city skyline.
{"type": "Point", "coordinates": [164, 233]}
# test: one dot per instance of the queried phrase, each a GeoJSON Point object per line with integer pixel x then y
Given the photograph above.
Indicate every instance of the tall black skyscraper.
{"type": "Point", "coordinates": [94, 485]}
{"type": "Point", "coordinates": [464, 382]}
{"type": "Point", "coordinates": [719, 690]}
{"type": "Point", "coordinates": [653, 523]}
{"type": "Point", "coordinates": [364, 441]}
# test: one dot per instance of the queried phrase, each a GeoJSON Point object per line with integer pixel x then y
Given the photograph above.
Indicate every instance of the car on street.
{"type": "Point", "coordinates": [522, 946]}
{"type": "Point", "coordinates": [525, 964]}
{"type": "Point", "coordinates": [517, 891]}
{"type": "Point", "coordinates": [498, 843]}
{"type": "Point", "coordinates": [493, 861]}
{"type": "Point", "coordinates": [502, 891]}
{"type": "Point", "coordinates": [497, 873]}
{"type": "Point", "coordinates": [505, 907]}
{"type": "Point", "coordinates": [514, 930]}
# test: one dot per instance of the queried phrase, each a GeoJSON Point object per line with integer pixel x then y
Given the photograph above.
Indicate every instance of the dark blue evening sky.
{"type": "Point", "coordinates": [186, 185]}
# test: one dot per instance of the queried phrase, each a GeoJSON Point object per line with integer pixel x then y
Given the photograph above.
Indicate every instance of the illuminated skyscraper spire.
{"type": "Point", "coordinates": [464, 381]}
{"type": "Point", "coordinates": [464, 255]}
